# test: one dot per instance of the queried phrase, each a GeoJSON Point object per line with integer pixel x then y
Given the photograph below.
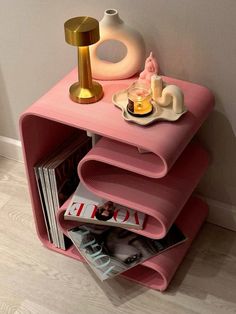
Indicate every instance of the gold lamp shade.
{"type": "Point", "coordinates": [82, 32]}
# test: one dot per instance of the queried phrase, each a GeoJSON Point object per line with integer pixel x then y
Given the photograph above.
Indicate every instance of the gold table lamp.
{"type": "Point", "coordinates": [82, 32]}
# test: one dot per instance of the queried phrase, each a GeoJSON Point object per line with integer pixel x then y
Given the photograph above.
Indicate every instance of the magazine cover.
{"type": "Point", "coordinates": [87, 207]}
{"type": "Point", "coordinates": [110, 251]}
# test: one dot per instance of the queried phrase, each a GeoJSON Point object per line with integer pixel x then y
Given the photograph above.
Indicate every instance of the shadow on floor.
{"type": "Point", "coordinates": [211, 258]}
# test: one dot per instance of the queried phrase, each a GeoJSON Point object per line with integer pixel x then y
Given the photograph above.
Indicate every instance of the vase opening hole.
{"type": "Point", "coordinates": [112, 51]}
{"type": "Point", "coordinates": [111, 12]}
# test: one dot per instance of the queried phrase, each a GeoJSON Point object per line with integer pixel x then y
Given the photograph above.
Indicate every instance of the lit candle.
{"type": "Point", "coordinates": [139, 97]}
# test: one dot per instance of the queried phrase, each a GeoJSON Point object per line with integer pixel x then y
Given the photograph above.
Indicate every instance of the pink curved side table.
{"type": "Point", "coordinates": [54, 117]}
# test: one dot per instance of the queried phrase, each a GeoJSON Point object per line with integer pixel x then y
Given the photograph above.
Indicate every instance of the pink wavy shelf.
{"type": "Point", "coordinates": [112, 174]}
{"type": "Point", "coordinates": [157, 272]}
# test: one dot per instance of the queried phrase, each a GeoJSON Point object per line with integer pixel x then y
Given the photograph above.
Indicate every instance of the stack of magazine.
{"type": "Point", "coordinates": [57, 179]}
{"type": "Point", "coordinates": [103, 239]}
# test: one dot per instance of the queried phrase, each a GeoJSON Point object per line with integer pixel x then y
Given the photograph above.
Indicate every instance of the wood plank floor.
{"type": "Point", "coordinates": [36, 280]}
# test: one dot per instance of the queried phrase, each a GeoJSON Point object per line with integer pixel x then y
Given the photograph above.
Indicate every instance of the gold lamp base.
{"type": "Point", "coordinates": [86, 95]}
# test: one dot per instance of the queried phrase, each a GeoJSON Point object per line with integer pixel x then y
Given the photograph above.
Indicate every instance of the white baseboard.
{"type": "Point", "coordinates": [221, 214]}
{"type": "Point", "coordinates": [11, 148]}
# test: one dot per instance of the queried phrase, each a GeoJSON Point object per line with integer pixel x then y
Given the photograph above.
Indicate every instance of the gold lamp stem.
{"type": "Point", "coordinates": [84, 68]}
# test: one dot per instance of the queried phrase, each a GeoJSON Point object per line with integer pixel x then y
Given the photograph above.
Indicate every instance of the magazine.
{"type": "Point", "coordinates": [87, 207]}
{"type": "Point", "coordinates": [110, 251]}
{"type": "Point", "coordinates": [62, 178]}
{"type": "Point", "coordinates": [57, 179]}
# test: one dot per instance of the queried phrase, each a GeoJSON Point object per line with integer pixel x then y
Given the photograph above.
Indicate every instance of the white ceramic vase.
{"type": "Point", "coordinates": [113, 28]}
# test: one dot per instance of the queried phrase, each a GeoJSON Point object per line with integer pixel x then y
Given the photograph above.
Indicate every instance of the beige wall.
{"type": "Point", "coordinates": [194, 40]}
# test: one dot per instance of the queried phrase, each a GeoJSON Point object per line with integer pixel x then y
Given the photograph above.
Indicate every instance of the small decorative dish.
{"type": "Point", "coordinates": [120, 100]}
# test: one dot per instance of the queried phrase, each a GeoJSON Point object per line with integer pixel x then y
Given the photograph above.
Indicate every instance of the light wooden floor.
{"type": "Point", "coordinates": [36, 280]}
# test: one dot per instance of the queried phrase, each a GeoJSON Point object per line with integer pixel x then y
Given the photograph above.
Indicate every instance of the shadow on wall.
{"type": "Point", "coordinates": [218, 137]}
{"type": "Point", "coordinates": [6, 119]}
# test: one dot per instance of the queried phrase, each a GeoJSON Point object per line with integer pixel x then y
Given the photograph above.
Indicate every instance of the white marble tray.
{"type": "Point", "coordinates": [120, 100]}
